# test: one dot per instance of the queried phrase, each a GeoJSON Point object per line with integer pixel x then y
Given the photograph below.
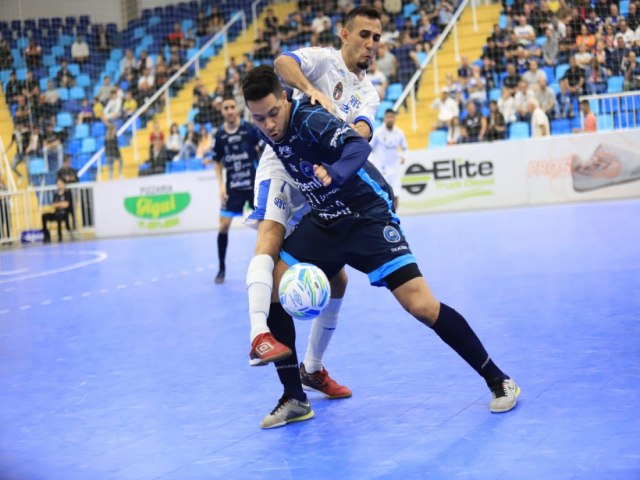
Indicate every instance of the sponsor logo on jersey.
{"type": "Point", "coordinates": [285, 151]}
{"type": "Point", "coordinates": [337, 91]}
{"type": "Point", "coordinates": [391, 234]}
{"type": "Point", "coordinates": [307, 169]}
{"type": "Point", "coordinates": [280, 201]}
{"type": "Point", "coordinates": [337, 134]}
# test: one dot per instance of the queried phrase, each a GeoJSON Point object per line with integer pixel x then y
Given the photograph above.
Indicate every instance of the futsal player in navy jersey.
{"type": "Point", "coordinates": [236, 149]}
{"type": "Point", "coordinates": [351, 222]}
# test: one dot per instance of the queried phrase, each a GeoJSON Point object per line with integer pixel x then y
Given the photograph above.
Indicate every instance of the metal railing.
{"type": "Point", "coordinates": [614, 110]}
{"type": "Point", "coordinates": [21, 212]}
{"type": "Point", "coordinates": [432, 55]}
{"type": "Point", "coordinates": [164, 90]}
{"type": "Point", "coordinates": [6, 166]}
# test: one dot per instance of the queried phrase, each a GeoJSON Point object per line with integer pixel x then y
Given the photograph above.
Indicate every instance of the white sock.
{"type": "Point", "coordinates": [259, 286]}
{"type": "Point", "coordinates": [322, 330]}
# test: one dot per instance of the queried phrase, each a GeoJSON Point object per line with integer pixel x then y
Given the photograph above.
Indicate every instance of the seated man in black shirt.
{"type": "Point", "coordinates": [575, 77]}
{"type": "Point", "coordinates": [474, 125]}
{"type": "Point", "coordinates": [62, 207]}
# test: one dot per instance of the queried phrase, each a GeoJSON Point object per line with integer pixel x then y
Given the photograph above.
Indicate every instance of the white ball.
{"type": "Point", "coordinates": [304, 291]}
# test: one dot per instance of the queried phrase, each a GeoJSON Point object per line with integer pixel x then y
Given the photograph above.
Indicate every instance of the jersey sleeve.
{"type": "Point", "coordinates": [314, 61]}
{"type": "Point", "coordinates": [368, 109]}
{"type": "Point", "coordinates": [217, 149]}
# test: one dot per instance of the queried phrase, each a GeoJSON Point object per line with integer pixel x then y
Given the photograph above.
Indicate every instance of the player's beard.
{"type": "Point", "coordinates": [363, 64]}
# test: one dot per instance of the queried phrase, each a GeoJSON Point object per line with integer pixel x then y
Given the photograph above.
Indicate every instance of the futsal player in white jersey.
{"type": "Point", "coordinates": [337, 80]}
{"type": "Point", "coordinates": [388, 148]}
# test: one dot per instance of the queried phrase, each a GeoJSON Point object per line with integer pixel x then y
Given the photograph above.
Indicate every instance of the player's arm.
{"type": "Point", "coordinates": [354, 154]}
{"type": "Point", "coordinates": [289, 66]}
{"type": "Point", "coordinates": [403, 146]}
{"type": "Point", "coordinates": [366, 114]}
{"type": "Point", "coordinates": [219, 175]}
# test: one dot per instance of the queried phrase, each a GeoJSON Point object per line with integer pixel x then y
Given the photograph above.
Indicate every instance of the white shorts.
{"type": "Point", "coordinates": [276, 197]}
{"type": "Point", "coordinates": [392, 175]}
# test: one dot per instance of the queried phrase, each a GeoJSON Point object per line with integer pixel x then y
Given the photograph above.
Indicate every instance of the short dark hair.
{"type": "Point", "coordinates": [361, 11]}
{"type": "Point", "coordinates": [389, 110]}
{"type": "Point", "coordinates": [261, 82]}
{"type": "Point", "coordinates": [229, 97]}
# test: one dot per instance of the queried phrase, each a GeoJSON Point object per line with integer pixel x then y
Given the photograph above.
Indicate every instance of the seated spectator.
{"type": "Point", "coordinates": [61, 207]}
{"type": "Point", "coordinates": [103, 41]}
{"type": "Point", "coordinates": [162, 72]}
{"type": "Point", "coordinates": [129, 106]}
{"type": "Point", "coordinates": [564, 100]}
{"type": "Point", "coordinates": [128, 63]}
{"type": "Point", "coordinates": [85, 115]}
{"type": "Point", "coordinates": [493, 56]}
{"type": "Point", "coordinates": [145, 62]}
{"type": "Point", "coordinates": [596, 78]}
{"type": "Point", "coordinates": [378, 80]}
{"type": "Point", "coordinates": [454, 88]}
{"type": "Point", "coordinates": [566, 46]}
{"type": "Point", "coordinates": [176, 37]}
{"type": "Point", "coordinates": [174, 142]}
{"type": "Point", "coordinates": [546, 97]}
{"type": "Point", "coordinates": [585, 38]}
{"type": "Point", "coordinates": [13, 88]}
{"type": "Point", "coordinates": [216, 20]}
{"type": "Point", "coordinates": [320, 23]}
{"type": "Point", "coordinates": [52, 97]}
{"type": "Point", "coordinates": [616, 56]}
{"type": "Point", "coordinates": [464, 71]}
{"type": "Point", "coordinates": [495, 123]}
{"type": "Point", "coordinates": [261, 47]}
{"type": "Point", "coordinates": [189, 40]}
{"type": "Point", "coordinates": [408, 61]}
{"type": "Point", "coordinates": [146, 85]}
{"type": "Point", "coordinates": [202, 22]}
{"type": "Point", "coordinates": [445, 13]}
{"type": "Point", "coordinates": [534, 74]}
{"type": "Point", "coordinates": [631, 71]}
{"type": "Point", "coordinates": [550, 49]}
{"type": "Point", "coordinates": [97, 108]}
{"type": "Point", "coordinates": [158, 158]}
{"type": "Point", "coordinates": [429, 33]}
{"type": "Point", "coordinates": [105, 90]}
{"type": "Point", "coordinates": [524, 32]}
{"type": "Point", "coordinates": [34, 147]}
{"type": "Point", "coordinates": [614, 17]}
{"type": "Point", "coordinates": [190, 143]}
{"type": "Point", "coordinates": [21, 139]}
{"type": "Point", "coordinates": [6, 59]}
{"type": "Point", "coordinates": [40, 109]}
{"type": "Point", "coordinates": [80, 50]}
{"type": "Point", "coordinates": [506, 106]}
{"type": "Point", "coordinates": [387, 62]}
{"type": "Point", "coordinates": [521, 98]}
{"type": "Point", "coordinates": [454, 132]}
{"type": "Point", "coordinates": [512, 78]}
{"type": "Point", "coordinates": [30, 86]}
{"type": "Point", "coordinates": [477, 86]}
{"type": "Point", "coordinates": [52, 150]}
{"type": "Point", "coordinates": [64, 78]}
{"type": "Point", "coordinates": [575, 77]}
{"type": "Point", "coordinates": [33, 55]}
{"type": "Point", "coordinates": [626, 33]}
{"type": "Point", "coordinates": [22, 114]}
{"type": "Point", "coordinates": [447, 109]}
{"type": "Point", "coordinates": [67, 173]}
{"type": "Point", "coordinates": [112, 150]}
{"type": "Point", "coordinates": [113, 109]}
{"type": "Point", "coordinates": [539, 120]}
{"type": "Point", "coordinates": [583, 57]}
{"type": "Point", "coordinates": [633, 18]}
{"type": "Point", "coordinates": [474, 125]}
{"type": "Point", "coordinates": [521, 60]}
{"type": "Point", "coordinates": [593, 22]}
{"type": "Point", "coordinates": [588, 119]}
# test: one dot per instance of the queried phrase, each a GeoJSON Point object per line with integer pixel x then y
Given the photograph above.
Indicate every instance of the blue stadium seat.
{"type": "Point", "coordinates": [88, 145]}
{"type": "Point", "coordinates": [98, 129]}
{"type": "Point", "coordinates": [551, 74]}
{"type": "Point", "coordinates": [495, 94]}
{"type": "Point", "coordinates": [64, 93]}
{"type": "Point", "coordinates": [624, 7]}
{"type": "Point", "coordinates": [74, 146]}
{"type": "Point", "coordinates": [560, 70]}
{"type": "Point", "coordinates": [57, 51]}
{"type": "Point", "coordinates": [383, 107]}
{"type": "Point", "coordinates": [605, 122]}
{"type": "Point", "coordinates": [409, 9]}
{"type": "Point", "coordinates": [64, 119]}
{"type": "Point", "coordinates": [394, 91]}
{"type": "Point", "coordinates": [74, 68]}
{"type": "Point", "coordinates": [560, 126]}
{"type": "Point", "coordinates": [594, 104]}
{"type": "Point", "coordinates": [76, 93]}
{"type": "Point", "coordinates": [81, 131]}
{"type": "Point", "coordinates": [518, 130]}
{"type": "Point", "coordinates": [43, 84]}
{"type": "Point", "coordinates": [21, 74]}
{"type": "Point", "coordinates": [437, 139]}
{"type": "Point", "coordinates": [37, 166]}
{"type": "Point", "coordinates": [83, 80]}
{"type": "Point", "coordinates": [614, 84]}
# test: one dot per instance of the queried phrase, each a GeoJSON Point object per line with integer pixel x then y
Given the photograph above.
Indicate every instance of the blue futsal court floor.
{"type": "Point", "coordinates": [120, 359]}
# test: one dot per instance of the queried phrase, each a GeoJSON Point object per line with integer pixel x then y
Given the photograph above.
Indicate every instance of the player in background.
{"type": "Point", "coordinates": [336, 79]}
{"type": "Point", "coordinates": [352, 222]}
{"type": "Point", "coordinates": [236, 149]}
{"type": "Point", "coordinates": [388, 148]}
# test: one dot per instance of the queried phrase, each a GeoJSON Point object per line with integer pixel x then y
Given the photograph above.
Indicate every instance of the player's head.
{"type": "Point", "coordinates": [389, 118]}
{"type": "Point", "coordinates": [229, 110]}
{"type": "Point", "coordinates": [361, 37]}
{"type": "Point", "coordinates": [267, 101]}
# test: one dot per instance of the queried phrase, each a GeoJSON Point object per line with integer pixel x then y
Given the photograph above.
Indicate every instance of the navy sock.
{"type": "Point", "coordinates": [223, 240]}
{"type": "Point", "coordinates": [454, 330]}
{"type": "Point", "coordinates": [281, 325]}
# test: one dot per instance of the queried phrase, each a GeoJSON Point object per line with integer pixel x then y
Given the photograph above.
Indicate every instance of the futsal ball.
{"type": "Point", "coordinates": [304, 291]}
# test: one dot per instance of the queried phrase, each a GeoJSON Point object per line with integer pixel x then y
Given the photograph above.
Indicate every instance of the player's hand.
{"type": "Point", "coordinates": [321, 174]}
{"type": "Point", "coordinates": [321, 98]}
{"type": "Point", "coordinates": [223, 195]}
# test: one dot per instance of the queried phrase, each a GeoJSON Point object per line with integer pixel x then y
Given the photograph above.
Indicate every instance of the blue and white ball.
{"type": "Point", "coordinates": [304, 291]}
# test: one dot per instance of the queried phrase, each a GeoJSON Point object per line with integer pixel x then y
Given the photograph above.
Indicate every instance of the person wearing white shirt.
{"type": "Point", "coordinates": [447, 109]}
{"type": "Point", "coordinates": [113, 108]}
{"type": "Point", "coordinates": [388, 148]}
{"type": "Point", "coordinates": [80, 50]}
{"type": "Point", "coordinates": [320, 22]}
{"type": "Point", "coordinates": [539, 119]}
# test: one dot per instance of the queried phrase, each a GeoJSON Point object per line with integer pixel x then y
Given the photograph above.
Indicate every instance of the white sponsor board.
{"type": "Point", "coordinates": [502, 174]}
{"type": "Point", "coordinates": [157, 204]}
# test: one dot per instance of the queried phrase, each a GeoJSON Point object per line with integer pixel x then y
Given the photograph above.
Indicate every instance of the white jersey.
{"type": "Point", "coordinates": [354, 100]}
{"type": "Point", "coordinates": [385, 154]}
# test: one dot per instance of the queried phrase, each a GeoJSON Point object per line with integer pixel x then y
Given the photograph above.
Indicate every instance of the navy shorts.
{"type": "Point", "coordinates": [372, 244]}
{"type": "Point", "coordinates": [236, 199]}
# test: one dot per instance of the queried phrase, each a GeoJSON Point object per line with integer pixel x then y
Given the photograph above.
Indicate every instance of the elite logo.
{"type": "Point", "coordinates": [391, 234]}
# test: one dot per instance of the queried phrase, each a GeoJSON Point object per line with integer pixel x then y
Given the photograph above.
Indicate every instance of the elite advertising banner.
{"type": "Point", "coordinates": [157, 204]}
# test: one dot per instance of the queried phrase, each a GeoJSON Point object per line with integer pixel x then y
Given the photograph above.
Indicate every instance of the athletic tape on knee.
{"type": "Point", "coordinates": [260, 271]}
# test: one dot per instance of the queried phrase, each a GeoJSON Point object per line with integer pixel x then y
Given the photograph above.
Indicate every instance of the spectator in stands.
{"type": "Point", "coordinates": [30, 87]}
{"type": "Point", "coordinates": [539, 120]}
{"type": "Point", "coordinates": [112, 150]}
{"type": "Point", "coordinates": [80, 50]}
{"type": "Point", "coordinates": [158, 158]}
{"type": "Point", "coordinates": [67, 173]}
{"type": "Point", "coordinates": [162, 71]}
{"type": "Point", "coordinates": [520, 99]}
{"type": "Point", "coordinates": [447, 109]}
{"type": "Point", "coordinates": [454, 132]}
{"type": "Point", "coordinates": [61, 206]}
{"type": "Point", "coordinates": [575, 77]}
{"type": "Point", "coordinates": [546, 97]}
{"type": "Point", "coordinates": [174, 142]}
{"type": "Point", "coordinates": [534, 74]}
{"type": "Point", "coordinates": [454, 88]}
{"type": "Point", "coordinates": [583, 57]}
{"type": "Point", "coordinates": [64, 78]}
{"type": "Point", "coordinates": [602, 9]}
{"type": "Point", "coordinates": [40, 109]}
{"type": "Point", "coordinates": [493, 57]}
{"type": "Point", "coordinates": [600, 54]}
{"type": "Point", "coordinates": [216, 113]}
{"type": "Point", "coordinates": [145, 62]}
{"type": "Point", "coordinates": [21, 139]}
{"type": "Point", "coordinates": [464, 71]}
{"type": "Point", "coordinates": [589, 120]}
{"type": "Point", "coordinates": [176, 37]}
{"type": "Point", "coordinates": [566, 46]}
{"type": "Point", "coordinates": [6, 59]}
{"type": "Point", "coordinates": [216, 20]}
{"type": "Point", "coordinates": [129, 106]}
{"type": "Point", "coordinates": [506, 106]}
{"type": "Point", "coordinates": [511, 79]}
{"type": "Point", "coordinates": [156, 134]}
{"type": "Point", "coordinates": [261, 46]}
{"type": "Point", "coordinates": [495, 123]}
{"type": "Point", "coordinates": [13, 88]}
{"type": "Point", "coordinates": [631, 71]}
{"type": "Point", "coordinates": [614, 17]}
{"type": "Point", "coordinates": [113, 109]}
{"type": "Point", "coordinates": [52, 97]}
{"type": "Point", "coordinates": [550, 49]}
{"type": "Point", "coordinates": [408, 61]}
{"type": "Point", "coordinates": [445, 13]}
{"type": "Point", "coordinates": [105, 90]}
{"type": "Point", "coordinates": [22, 115]}
{"type": "Point", "coordinates": [103, 41]}
{"type": "Point", "coordinates": [52, 150]}
{"type": "Point", "coordinates": [387, 62]}
{"type": "Point", "coordinates": [189, 40]}
{"type": "Point", "coordinates": [190, 142]}
{"type": "Point", "coordinates": [146, 85]}
{"type": "Point", "coordinates": [97, 108]}
{"type": "Point", "coordinates": [616, 56]}
{"type": "Point", "coordinates": [270, 20]}
{"type": "Point", "coordinates": [500, 36]}
{"type": "Point", "coordinates": [320, 23]}
{"type": "Point", "coordinates": [34, 147]}
{"type": "Point", "coordinates": [596, 78]}
{"type": "Point", "coordinates": [202, 22]}
{"type": "Point", "coordinates": [33, 54]}
{"type": "Point", "coordinates": [477, 86]}
{"type": "Point", "coordinates": [128, 63]}
{"type": "Point", "coordinates": [593, 21]}
{"type": "Point", "coordinates": [474, 125]}
{"type": "Point", "coordinates": [524, 32]}
{"type": "Point", "coordinates": [86, 112]}
{"type": "Point", "coordinates": [633, 18]}
{"type": "Point", "coordinates": [378, 79]}
{"type": "Point", "coordinates": [585, 38]}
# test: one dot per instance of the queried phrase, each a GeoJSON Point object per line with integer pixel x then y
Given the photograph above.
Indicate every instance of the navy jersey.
{"type": "Point", "coordinates": [238, 152]}
{"type": "Point", "coordinates": [315, 137]}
